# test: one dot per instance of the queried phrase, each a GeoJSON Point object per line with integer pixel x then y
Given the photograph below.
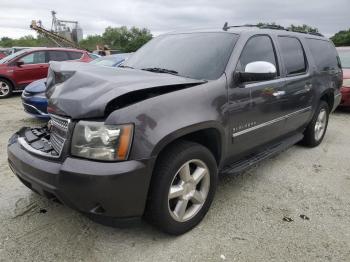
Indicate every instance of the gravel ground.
{"type": "Point", "coordinates": [245, 222]}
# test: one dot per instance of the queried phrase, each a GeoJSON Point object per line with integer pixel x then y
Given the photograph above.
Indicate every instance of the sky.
{"type": "Point", "coordinates": [329, 16]}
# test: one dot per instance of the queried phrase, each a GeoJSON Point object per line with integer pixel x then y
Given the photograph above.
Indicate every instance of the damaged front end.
{"type": "Point", "coordinates": [48, 141]}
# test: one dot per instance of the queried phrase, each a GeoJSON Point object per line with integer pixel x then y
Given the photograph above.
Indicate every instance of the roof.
{"type": "Point", "coordinates": [54, 49]}
{"type": "Point", "coordinates": [250, 29]}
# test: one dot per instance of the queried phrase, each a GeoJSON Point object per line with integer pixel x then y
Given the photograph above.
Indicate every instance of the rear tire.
{"type": "Point", "coordinates": [6, 88]}
{"type": "Point", "coordinates": [182, 188]}
{"type": "Point", "coordinates": [316, 130]}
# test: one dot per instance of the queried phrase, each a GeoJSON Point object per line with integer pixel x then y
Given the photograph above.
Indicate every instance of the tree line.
{"type": "Point", "coordinates": [116, 38]}
{"type": "Point", "coordinates": [130, 39]}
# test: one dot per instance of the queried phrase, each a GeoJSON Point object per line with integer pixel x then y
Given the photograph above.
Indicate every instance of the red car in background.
{"type": "Point", "coordinates": [23, 67]}
{"type": "Point", "coordinates": [344, 54]}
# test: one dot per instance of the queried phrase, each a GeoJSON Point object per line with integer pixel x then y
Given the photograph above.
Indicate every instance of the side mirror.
{"type": "Point", "coordinates": [258, 71]}
{"type": "Point", "coordinates": [19, 63]}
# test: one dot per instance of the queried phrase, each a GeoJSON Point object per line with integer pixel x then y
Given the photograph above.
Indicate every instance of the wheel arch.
{"type": "Point", "coordinates": [8, 79]}
{"type": "Point", "coordinates": [328, 97]}
{"type": "Point", "coordinates": [209, 134]}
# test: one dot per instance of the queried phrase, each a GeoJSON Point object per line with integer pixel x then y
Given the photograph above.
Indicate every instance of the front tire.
{"type": "Point", "coordinates": [6, 88]}
{"type": "Point", "coordinates": [183, 187]}
{"type": "Point", "coordinates": [317, 128]}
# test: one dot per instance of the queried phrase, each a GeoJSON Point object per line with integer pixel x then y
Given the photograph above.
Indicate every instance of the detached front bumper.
{"type": "Point", "coordinates": [117, 189]}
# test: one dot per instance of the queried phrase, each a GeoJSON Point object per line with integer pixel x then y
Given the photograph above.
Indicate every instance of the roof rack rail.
{"type": "Point", "coordinates": [315, 33]}
{"type": "Point", "coordinates": [274, 27]}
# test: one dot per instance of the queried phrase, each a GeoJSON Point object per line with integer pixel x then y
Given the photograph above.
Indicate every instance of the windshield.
{"type": "Point", "coordinates": [196, 55]}
{"type": "Point", "coordinates": [344, 57]}
{"type": "Point", "coordinates": [10, 57]}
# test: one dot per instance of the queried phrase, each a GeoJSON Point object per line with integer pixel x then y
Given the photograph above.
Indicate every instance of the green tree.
{"type": "Point", "coordinates": [6, 42]}
{"type": "Point", "coordinates": [342, 38]}
{"type": "Point", "coordinates": [138, 37]}
{"type": "Point", "coordinates": [124, 39]}
{"type": "Point", "coordinates": [91, 41]}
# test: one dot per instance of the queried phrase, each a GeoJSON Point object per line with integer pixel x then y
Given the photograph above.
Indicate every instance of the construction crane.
{"type": "Point", "coordinates": [60, 33]}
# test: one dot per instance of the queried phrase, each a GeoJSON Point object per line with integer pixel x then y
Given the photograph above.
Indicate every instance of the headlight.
{"type": "Point", "coordinates": [95, 140]}
{"type": "Point", "coordinates": [346, 83]}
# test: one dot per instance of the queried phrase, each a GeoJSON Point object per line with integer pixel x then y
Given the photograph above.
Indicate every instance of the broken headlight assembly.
{"type": "Point", "coordinates": [95, 140]}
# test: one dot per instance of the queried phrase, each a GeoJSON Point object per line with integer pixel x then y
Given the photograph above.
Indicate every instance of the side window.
{"type": "Point", "coordinates": [324, 54]}
{"type": "Point", "coordinates": [293, 55]}
{"type": "Point", "coordinates": [58, 56]}
{"type": "Point", "coordinates": [34, 58]}
{"type": "Point", "coordinates": [258, 48]}
{"type": "Point", "coordinates": [75, 55]}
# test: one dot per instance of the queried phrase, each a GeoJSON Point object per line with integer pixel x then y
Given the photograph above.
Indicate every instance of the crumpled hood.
{"type": "Point", "coordinates": [90, 88]}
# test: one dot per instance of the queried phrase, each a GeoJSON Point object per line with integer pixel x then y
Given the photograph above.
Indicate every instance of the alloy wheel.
{"type": "Point", "coordinates": [4, 89]}
{"type": "Point", "coordinates": [188, 190]}
{"type": "Point", "coordinates": [320, 125]}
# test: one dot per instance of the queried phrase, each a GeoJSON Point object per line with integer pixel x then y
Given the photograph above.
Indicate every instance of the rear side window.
{"type": "Point", "coordinates": [75, 55]}
{"type": "Point", "coordinates": [324, 54]}
{"type": "Point", "coordinates": [258, 48]}
{"type": "Point", "coordinates": [293, 55]}
{"type": "Point", "coordinates": [58, 56]}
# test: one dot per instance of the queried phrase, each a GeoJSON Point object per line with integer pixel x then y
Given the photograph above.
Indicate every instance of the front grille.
{"type": "Point", "coordinates": [59, 132]}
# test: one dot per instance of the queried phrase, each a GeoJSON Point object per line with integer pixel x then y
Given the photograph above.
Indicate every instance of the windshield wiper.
{"type": "Point", "coordinates": [125, 66]}
{"type": "Point", "coordinates": [160, 70]}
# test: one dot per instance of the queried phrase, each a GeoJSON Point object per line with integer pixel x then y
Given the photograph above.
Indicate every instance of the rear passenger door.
{"type": "Point", "coordinates": [297, 92]}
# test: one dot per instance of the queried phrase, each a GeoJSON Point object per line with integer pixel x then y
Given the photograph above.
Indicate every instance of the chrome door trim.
{"type": "Point", "coordinates": [271, 122]}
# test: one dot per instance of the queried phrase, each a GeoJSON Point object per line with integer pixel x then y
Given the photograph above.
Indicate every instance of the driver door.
{"type": "Point", "coordinates": [261, 120]}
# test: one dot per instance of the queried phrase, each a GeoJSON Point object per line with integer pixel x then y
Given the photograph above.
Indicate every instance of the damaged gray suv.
{"type": "Point", "coordinates": [150, 138]}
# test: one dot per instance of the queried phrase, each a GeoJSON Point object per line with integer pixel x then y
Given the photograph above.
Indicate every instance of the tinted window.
{"type": "Point", "coordinates": [34, 58]}
{"type": "Point", "coordinates": [58, 56]}
{"type": "Point", "coordinates": [195, 55]}
{"type": "Point", "coordinates": [293, 55]}
{"type": "Point", "coordinates": [324, 54]}
{"type": "Point", "coordinates": [75, 55]}
{"type": "Point", "coordinates": [258, 48]}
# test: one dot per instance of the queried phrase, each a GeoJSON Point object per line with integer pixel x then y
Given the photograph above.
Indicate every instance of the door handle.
{"type": "Point", "coordinates": [279, 93]}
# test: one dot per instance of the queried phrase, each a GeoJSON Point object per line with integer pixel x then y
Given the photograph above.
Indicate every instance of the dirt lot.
{"type": "Point", "coordinates": [245, 222]}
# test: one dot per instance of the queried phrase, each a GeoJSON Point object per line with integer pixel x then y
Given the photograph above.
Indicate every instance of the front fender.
{"type": "Point", "coordinates": [162, 119]}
